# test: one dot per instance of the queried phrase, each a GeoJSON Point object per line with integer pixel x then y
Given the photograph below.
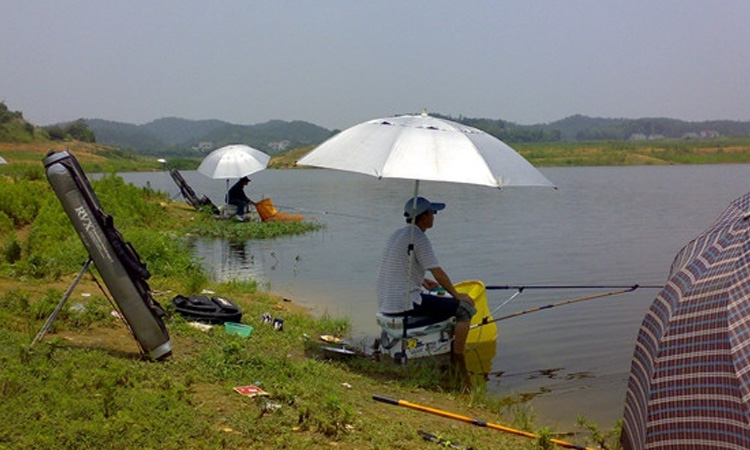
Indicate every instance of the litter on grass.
{"type": "Point", "coordinates": [200, 326]}
{"type": "Point", "coordinates": [251, 391]}
{"type": "Point", "coordinates": [330, 339]}
{"type": "Point", "coordinates": [240, 329]}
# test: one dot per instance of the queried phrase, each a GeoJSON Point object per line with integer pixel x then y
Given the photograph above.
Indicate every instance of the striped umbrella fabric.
{"type": "Point", "coordinates": [689, 385]}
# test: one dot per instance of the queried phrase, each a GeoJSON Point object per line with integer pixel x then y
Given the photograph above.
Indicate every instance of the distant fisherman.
{"type": "Point", "coordinates": [237, 197]}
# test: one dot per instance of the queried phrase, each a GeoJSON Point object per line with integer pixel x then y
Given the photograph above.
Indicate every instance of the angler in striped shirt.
{"type": "Point", "coordinates": [407, 257]}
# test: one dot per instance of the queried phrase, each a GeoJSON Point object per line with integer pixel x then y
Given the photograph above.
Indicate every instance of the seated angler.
{"type": "Point", "coordinates": [236, 196]}
{"type": "Point", "coordinates": [398, 276]}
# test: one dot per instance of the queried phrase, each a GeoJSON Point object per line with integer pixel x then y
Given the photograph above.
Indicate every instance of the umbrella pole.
{"type": "Point", "coordinates": [410, 252]}
{"type": "Point", "coordinates": [411, 236]}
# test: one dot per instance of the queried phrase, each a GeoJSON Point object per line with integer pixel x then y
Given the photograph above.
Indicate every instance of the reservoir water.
{"type": "Point", "coordinates": [603, 226]}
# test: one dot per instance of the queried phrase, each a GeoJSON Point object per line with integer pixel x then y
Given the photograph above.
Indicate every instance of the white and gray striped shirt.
{"type": "Point", "coordinates": [394, 267]}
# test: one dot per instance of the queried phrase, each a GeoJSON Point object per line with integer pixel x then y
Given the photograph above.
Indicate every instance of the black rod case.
{"type": "Point", "coordinates": [116, 260]}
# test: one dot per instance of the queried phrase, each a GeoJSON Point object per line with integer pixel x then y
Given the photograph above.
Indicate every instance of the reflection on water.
{"type": "Point", "coordinates": [251, 260]}
{"type": "Point", "coordinates": [230, 261]}
{"type": "Point", "coordinates": [478, 360]}
{"type": "Point", "coordinates": [605, 225]}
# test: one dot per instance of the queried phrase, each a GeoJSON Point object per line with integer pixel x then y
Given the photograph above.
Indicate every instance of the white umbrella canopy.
{"type": "Point", "coordinates": [233, 161]}
{"type": "Point", "coordinates": [422, 147]}
{"type": "Point", "coordinates": [3, 161]}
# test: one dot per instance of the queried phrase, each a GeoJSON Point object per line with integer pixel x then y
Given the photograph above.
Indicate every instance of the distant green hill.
{"type": "Point", "coordinates": [14, 128]}
{"type": "Point", "coordinates": [176, 131]}
{"type": "Point", "coordinates": [195, 138]}
{"type": "Point", "coordinates": [582, 128]}
{"type": "Point", "coordinates": [182, 137]}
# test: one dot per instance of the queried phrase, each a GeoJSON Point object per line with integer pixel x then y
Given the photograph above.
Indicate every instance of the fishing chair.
{"type": "Point", "coordinates": [227, 211]}
{"type": "Point", "coordinates": [418, 336]}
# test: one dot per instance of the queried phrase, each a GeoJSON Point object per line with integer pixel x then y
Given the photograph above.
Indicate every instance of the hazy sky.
{"type": "Point", "coordinates": [337, 63]}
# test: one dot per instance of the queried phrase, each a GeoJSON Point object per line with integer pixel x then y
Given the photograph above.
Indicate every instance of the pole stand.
{"type": "Point", "coordinates": [60, 305]}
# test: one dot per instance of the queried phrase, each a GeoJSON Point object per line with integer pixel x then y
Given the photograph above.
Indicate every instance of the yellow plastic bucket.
{"type": "Point", "coordinates": [265, 209]}
{"type": "Point", "coordinates": [485, 333]}
{"type": "Point", "coordinates": [480, 343]}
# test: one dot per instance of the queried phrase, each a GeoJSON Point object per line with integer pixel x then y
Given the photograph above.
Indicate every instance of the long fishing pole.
{"type": "Point", "coordinates": [477, 422]}
{"type": "Point", "coordinates": [317, 211]}
{"type": "Point", "coordinates": [552, 305]}
{"type": "Point", "coordinates": [521, 287]}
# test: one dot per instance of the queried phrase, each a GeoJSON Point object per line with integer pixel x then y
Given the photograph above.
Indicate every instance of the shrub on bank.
{"type": "Point", "coordinates": [20, 200]}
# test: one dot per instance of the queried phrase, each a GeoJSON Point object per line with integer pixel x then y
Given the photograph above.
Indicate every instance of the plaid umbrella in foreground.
{"type": "Point", "coordinates": [689, 385]}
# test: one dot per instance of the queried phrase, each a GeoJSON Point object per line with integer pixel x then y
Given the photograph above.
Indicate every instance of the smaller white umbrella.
{"type": "Point", "coordinates": [233, 161]}
{"type": "Point", "coordinates": [2, 161]}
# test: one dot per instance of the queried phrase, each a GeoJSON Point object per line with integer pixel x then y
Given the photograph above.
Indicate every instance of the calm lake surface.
{"type": "Point", "coordinates": [603, 226]}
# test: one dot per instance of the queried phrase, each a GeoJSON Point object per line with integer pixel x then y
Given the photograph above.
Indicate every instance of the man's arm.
{"type": "Point", "coordinates": [247, 199]}
{"type": "Point", "coordinates": [444, 280]}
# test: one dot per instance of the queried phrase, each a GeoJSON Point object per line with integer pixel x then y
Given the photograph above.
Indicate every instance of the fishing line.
{"type": "Point", "coordinates": [315, 211]}
{"type": "Point", "coordinates": [506, 301]}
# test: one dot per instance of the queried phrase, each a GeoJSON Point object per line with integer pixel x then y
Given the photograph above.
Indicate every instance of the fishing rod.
{"type": "Point", "coordinates": [552, 305]}
{"type": "Point", "coordinates": [316, 211]}
{"type": "Point", "coordinates": [573, 286]}
{"type": "Point", "coordinates": [477, 422]}
{"type": "Point", "coordinates": [429, 437]}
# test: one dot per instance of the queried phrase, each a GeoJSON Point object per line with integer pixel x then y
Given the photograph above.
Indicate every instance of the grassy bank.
{"type": "Point", "coordinates": [725, 150]}
{"type": "Point", "coordinates": [86, 386]}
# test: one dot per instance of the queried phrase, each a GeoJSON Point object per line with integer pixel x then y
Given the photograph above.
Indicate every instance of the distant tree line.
{"type": "Point", "coordinates": [7, 116]}
{"type": "Point", "coordinates": [77, 130]}
{"type": "Point", "coordinates": [508, 131]}
{"type": "Point", "coordinates": [14, 128]}
{"type": "Point", "coordinates": [581, 128]}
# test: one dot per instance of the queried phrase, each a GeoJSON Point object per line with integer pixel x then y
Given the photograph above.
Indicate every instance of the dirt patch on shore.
{"type": "Point", "coordinates": [34, 152]}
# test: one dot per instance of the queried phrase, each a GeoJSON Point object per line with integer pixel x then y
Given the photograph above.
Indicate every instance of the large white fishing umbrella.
{"type": "Point", "coordinates": [422, 147]}
{"type": "Point", "coordinates": [3, 161]}
{"type": "Point", "coordinates": [233, 161]}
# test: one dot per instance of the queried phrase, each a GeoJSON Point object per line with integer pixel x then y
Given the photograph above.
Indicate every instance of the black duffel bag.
{"type": "Point", "coordinates": [213, 310]}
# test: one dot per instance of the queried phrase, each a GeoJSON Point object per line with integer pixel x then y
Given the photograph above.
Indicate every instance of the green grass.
{"type": "Point", "coordinates": [207, 226]}
{"type": "Point", "coordinates": [723, 150]}
{"type": "Point", "coordinates": [62, 394]}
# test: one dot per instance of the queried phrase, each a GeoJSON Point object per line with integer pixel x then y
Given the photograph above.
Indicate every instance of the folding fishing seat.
{"type": "Point", "coordinates": [404, 337]}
